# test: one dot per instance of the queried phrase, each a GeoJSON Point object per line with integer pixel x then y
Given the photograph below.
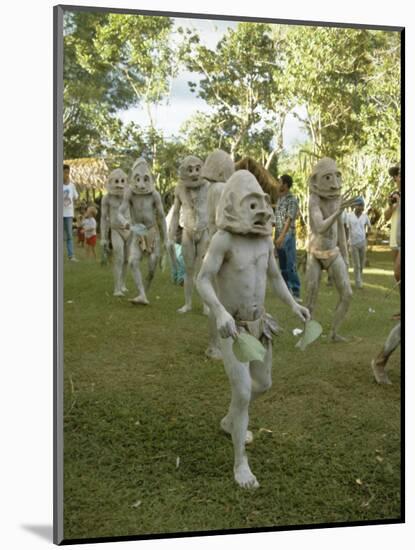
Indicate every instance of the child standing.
{"type": "Point", "coordinates": [358, 223]}
{"type": "Point", "coordinates": [90, 230]}
{"type": "Point", "coordinates": [80, 230]}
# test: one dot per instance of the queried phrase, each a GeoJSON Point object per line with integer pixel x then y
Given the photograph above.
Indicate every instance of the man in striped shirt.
{"type": "Point", "coordinates": [285, 215]}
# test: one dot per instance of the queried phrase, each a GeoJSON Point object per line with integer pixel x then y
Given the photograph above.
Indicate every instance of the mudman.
{"type": "Point", "coordinates": [116, 185]}
{"type": "Point", "coordinates": [327, 240]}
{"type": "Point", "coordinates": [190, 196]}
{"type": "Point", "coordinates": [239, 259]}
{"type": "Point", "coordinates": [142, 202]}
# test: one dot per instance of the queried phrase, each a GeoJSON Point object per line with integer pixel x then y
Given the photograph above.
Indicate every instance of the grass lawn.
{"type": "Point", "coordinates": [143, 452]}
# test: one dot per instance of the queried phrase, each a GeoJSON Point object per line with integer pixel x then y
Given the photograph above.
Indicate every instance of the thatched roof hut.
{"type": "Point", "coordinates": [88, 173]}
{"type": "Point", "coordinates": [268, 183]}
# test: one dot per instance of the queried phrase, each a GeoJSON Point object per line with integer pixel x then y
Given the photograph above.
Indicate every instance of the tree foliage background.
{"type": "Point", "coordinates": [343, 85]}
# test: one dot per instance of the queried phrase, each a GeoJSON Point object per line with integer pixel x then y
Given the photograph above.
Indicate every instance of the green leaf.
{"type": "Point", "coordinates": [247, 348]}
{"type": "Point", "coordinates": [312, 331]}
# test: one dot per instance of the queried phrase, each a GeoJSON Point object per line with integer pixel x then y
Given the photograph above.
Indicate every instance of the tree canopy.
{"type": "Point", "coordinates": [343, 85]}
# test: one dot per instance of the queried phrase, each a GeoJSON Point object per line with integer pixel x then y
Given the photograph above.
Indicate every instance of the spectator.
{"type": "Point", "coordinates": [358, 223]}
{"type": "Point", "coordinates": [285, 244]}
{"type": "Point", "coordinates": [70, 195]}
{"type": "Point", "coordinates": [80, 230]}
{"type": "Point", "coordinates": [391, 212]}
{"type": "Point", "coordinates": [90, 229]}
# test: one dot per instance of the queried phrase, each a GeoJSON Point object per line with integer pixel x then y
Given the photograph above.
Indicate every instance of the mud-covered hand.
{"type": "Point", "coordinates": [302, 312]}
{"type": "Point", "coordinates": [345, 203]}
{"type": "Point", "coordinates": [226, 325]}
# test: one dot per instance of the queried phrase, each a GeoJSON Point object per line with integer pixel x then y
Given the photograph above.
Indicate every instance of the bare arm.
{"type": "Point", "coordinates": [280, 239]}
{"type": "Point", "coordinates": [105, 213]}
{"type": "Point", "coordinates": [342, 241]}
{"type": "Point", "coordinates": [320, 224]}
{"type": "Point", "coordinates": [392, 206]}
{"type": "Point", "coordinates": [280, 288]}
{"type": "Point", "coordinates": [174, 224]}
{"type": "Point", "coordinates": [124, 209]}
{"type": "Point", "coordinates": [75, 192]}
{"type": "Point", "coordinates": [161, 216]}
{"type": "Point", "coordinates": [215, 256]}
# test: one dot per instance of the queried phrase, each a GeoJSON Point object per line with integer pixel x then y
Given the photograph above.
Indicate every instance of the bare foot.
{"type": "Point", "coordinates": [124, 289]}
{"type": "Point", "coordinates": [139, 300]}
{"type": "Point", "coordinates": [184, 309]}
{"type": "Point", "coordinates": [245, 478]}
{"type": "Point", "coordinates": [379, 373]}
{"type": "Point", "coordinates": [226, 425]}
{"type": "Point", "coordinates": [213, 353]}
{"type": "Point", "coordinates": [118, 293]}
{"type": "Point", "coordinates": [334, 337]}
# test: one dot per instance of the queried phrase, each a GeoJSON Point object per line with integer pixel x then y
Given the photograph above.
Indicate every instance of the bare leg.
{"type": "Point", "coordinates": [134, 261]}
{"type": "Point", "coordinates": [261, 381]}
{"type": "Point", "coordinates": [357, 267]}
{"type": "Point", "coordinates": [379, 364]}
{"type": "Point", "coordinates": [118, 262]}
{"type": "Point", "coordinates": [341, 279]}
{"type": "Point", "coordinates": [152, 265]}
{"type": "Point", "coordinates": [201, 247]}
{"type": "Point", "coordinates": [124, 268]}
{"type": "Point", "coordinates": [240, 380]}
{"type": "Point", "coordinates": [261, 374]}
{"type": "Point", "coordinates": [189, 256]}
{"type": "Point", "coordinates": [213, 350]}
{"type": "Point", "coordinates": [313, 276]}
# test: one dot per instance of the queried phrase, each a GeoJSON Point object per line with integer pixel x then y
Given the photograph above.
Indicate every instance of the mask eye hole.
{"type": "Point", "coordinates": [146, 178]}
{"type": "Point", "coordinates": [116, 181]}
{"type": "Point", "coordinates": [252, 206]}
{"type": "Point", "coordinates": [122, 181]}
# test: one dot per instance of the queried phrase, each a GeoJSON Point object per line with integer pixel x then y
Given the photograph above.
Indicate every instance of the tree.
{"type": "Point", "coordinates": [111, 62]}
{"type": "Point", "coordinates": [236, 79]}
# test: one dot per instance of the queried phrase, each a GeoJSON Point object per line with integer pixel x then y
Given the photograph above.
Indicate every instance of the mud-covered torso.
{"type": "Point", "coordinates": [114, 202]}
{"type": "Point", "coordinates": [329, 239]}
{"type": "Point", "coordinates": [143, 209]}
{"type": "Point", "coordinates": [194, 205]}
{"type": "Point", "coordinates": [243, 275]}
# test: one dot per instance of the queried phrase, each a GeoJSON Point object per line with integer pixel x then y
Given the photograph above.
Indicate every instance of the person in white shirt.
{"type": "Point", "coordinates": [358, 224]}
{"type": "Point", "coordinates": [70, 195]}
{"type": "Point", "coordinates": [90, 231]}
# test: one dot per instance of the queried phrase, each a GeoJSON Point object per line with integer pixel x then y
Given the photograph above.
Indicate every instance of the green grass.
{"type": "Point", "coordinates": [139, 393]}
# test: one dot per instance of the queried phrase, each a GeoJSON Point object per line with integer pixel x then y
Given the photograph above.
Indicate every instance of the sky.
{"type": "Point", "coordinates": [183, 103]}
